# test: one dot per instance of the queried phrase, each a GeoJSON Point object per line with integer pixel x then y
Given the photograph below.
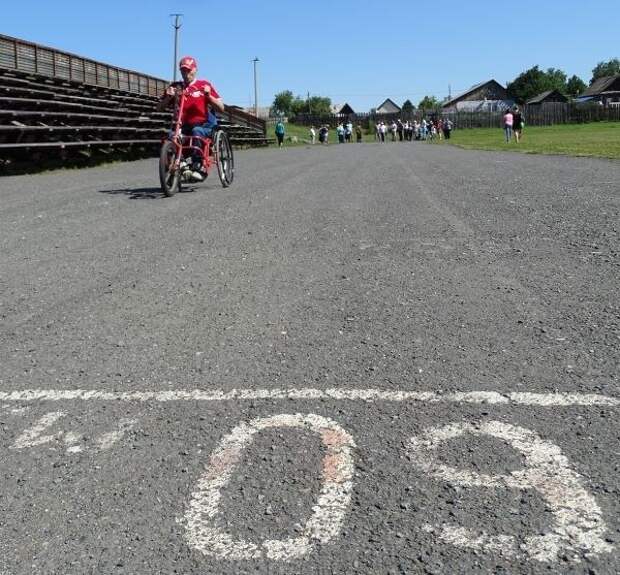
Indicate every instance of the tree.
{"type": "Point", "coordinates": [320, 105]}
{"type": "Point", "coordinates": [282, 103]}
{"type": "Point", "coordinates": [575, 86]}
{"type": "Point", "coordinates": [534, 81]}
{"type": "Point", "coordinates": [407, 107]}
{"type": "Point", "coordinates": [428, 103]}
{"type": "Point", "coordinates": [602, 69]}
{"type": "Point", "coordinates": [299, 106]}
{"type": "Point", "coordinates": [555, 79]}
{"type": "Point", "coordinates": [316, 105]}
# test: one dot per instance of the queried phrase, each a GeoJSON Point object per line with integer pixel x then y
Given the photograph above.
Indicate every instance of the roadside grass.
{"type": "Point", "coordinates": [599, 139]}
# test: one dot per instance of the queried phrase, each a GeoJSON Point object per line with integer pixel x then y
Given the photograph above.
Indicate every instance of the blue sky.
{"type": "Point", "coordinates": [359, 52]}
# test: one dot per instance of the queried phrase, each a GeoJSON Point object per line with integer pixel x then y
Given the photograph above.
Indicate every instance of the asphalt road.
{"type": "Point", "coordinates": [374, 359]}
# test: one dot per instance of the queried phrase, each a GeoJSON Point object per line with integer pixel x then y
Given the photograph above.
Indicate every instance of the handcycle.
{"type": "Point", "coordinates": [178, 150]}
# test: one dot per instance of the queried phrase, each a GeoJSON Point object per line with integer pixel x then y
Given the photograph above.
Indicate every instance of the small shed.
{"type": "Point", "coordinates": [548, 96]}
{"type": "Point", "coordinates": [388, 107]}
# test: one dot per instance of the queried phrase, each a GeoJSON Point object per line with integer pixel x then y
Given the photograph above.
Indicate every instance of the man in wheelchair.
{"type": "Point", "coordinates": [200, 97]}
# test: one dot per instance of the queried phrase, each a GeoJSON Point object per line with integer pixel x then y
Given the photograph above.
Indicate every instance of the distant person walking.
{"type": "Point", "coordinates": [324, 135]}
{"type": "Point", "coordinates": [517, 124]}
{"type": "Point", "coordinates": [348, 131]}
{"type": "Point", "coordinates": [447, 128]}
{"type": "Point", "coordinates": [358, 134]}
{"type": "Point", "coordinates": [312, 135]}
{"type": "Point", "coordinates": [508, 122]}
{"type": "Point", "coordinates": [340, 133]}
{"type": "Point", "coordinates": [280, 133]}
{"type": "Point", "coordinates": [393, 128]}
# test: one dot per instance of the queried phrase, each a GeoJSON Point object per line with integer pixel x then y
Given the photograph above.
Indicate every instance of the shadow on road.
{"type": "Point", "coordinates": [154, 193]}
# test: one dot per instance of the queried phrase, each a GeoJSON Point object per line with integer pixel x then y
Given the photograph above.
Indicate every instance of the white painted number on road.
{"type": "Point", "coordinates": [33, 436]}
{"type": "Point", "coordinates": [328, 514]}
{"type": "Point", "coordinates": [577, 520]}
{"type": "Point", "coordinates": [74, 442]}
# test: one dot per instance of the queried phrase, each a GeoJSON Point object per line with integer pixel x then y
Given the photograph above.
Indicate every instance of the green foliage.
{"type": "Point", "coordinates": [428, 103]}
{"type": "Point", "coordinates": [575, 86]}
{"type": "Point", "coordinates": [282, 103]}
{"type": "Point", "coordinates": [299, 106]}
{"type": "Point", "coordinates": [285, 104]}
{"type": "Point", "coordinates": [407, 107]}
{"type": "Point", "coordinates": [602, 69]}
{"type": "Point", "coordinates": [316, 105]}
{"type": "Point", "coordinates": [534, 81]}
{"type": "Point", "coordinates": [320, 105]}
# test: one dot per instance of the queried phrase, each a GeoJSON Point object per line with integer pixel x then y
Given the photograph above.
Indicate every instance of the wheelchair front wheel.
{"type": "Point", "coordinates": [169, 176]}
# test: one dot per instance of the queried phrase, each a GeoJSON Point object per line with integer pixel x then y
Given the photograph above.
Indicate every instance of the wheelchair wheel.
{"type": "Point", "coordinates": [169, 177]}
{"type": "Point", "coordinates": [224, 158]}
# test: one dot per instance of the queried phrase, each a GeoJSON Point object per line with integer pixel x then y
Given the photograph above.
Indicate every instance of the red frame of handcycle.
{"type": "Point", "coordinates": [185, 145]}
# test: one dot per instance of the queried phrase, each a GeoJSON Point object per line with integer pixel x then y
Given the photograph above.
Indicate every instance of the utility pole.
{"type": "Point", "coordinates": [176, 25]}
{"type": "Point", "coordinates": [308, 100]}
{"type": "Point", "coordinates": [449, 92]}
{"type": "Point", "coordinates": [256, 60]}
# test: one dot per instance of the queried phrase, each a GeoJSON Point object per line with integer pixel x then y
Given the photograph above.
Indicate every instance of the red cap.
{"type": "Point", "coordinates": [188, 62]}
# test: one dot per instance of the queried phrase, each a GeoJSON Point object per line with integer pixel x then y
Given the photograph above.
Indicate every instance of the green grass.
{"type": "Point", "coordinates": [600, 139]}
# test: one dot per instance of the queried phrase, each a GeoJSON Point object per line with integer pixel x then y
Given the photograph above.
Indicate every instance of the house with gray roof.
{"type": "Point", "coordinates": [605, 90]}
{"type": "Point", "coordinates": [387, 107]}
{"type": "Point", "coordinates": [484, 97]}
{"type": "Point", "coordinates": [545, 97]}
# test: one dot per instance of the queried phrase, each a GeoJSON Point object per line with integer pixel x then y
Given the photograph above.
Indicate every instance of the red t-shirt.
{"type": "Point", "coordinates": [196, 108]}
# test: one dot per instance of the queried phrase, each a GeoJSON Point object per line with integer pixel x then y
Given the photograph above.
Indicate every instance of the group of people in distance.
{"type": "Point", "coordinates": [426, 129]}
{"type": "Point", "coordinates": [397, 129]}
{"type": "Point", "coordinates": [513, 125]}
{"type": "Point", "coordinates": [344, 132]}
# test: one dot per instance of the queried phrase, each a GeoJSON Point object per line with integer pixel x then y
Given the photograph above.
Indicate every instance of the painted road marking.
{"type": "Point", "coordinates": [107, 440]}
{"type": "Point", "coordinates": [577, 519]}
{"type": "Point", "coordinates": [368, 395]}
{"type": "Point", "coordinates": [327, 515]}
{"type": "Point", "coordinates": [578, 526]}
{"type": "Point", "coordinates": [74, 442]}
{"type": "Point", "coordinates": [32, 437]}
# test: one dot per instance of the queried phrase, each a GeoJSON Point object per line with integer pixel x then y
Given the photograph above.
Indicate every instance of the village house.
{"type": "Point", "coordinates": [604, 90]}
{"type": "Point", "coordinates": [489, 96]}
{"type": "Point", "coordinates": [546, 97]}
{"type": "Point", "coordinates": [387, 107]}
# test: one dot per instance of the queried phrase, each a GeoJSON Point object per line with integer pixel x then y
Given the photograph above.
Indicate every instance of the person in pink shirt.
{"type": "Point", "coordinates": [508, 121]}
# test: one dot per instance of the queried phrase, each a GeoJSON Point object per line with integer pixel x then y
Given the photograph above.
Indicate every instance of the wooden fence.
{"type": "Point", "coordinates": [536, 115]}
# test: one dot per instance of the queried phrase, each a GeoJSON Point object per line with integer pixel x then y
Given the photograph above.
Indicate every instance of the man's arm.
{"type": "Point", "coordinates": [217, 103]}
{"type": "Point", "coordinates": [166, 99]}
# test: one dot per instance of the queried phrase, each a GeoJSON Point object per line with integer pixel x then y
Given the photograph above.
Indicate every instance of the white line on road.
{"type": "Point", "coordinates": [368, 395]}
